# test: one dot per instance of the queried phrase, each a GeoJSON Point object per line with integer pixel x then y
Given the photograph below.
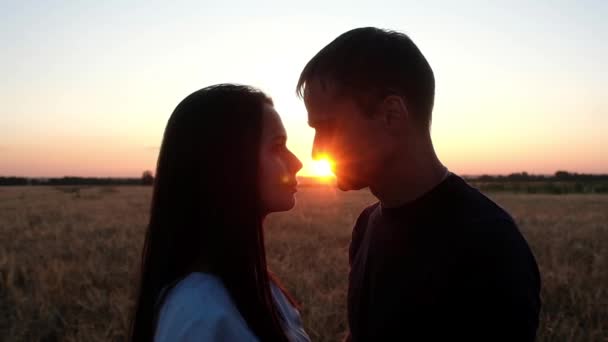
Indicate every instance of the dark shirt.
{"type": "Point", "coordinates": [450, 266]}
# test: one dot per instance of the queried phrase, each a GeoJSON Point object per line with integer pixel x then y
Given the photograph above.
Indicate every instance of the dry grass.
{"type": "Point", "coordinates": [67, 260]}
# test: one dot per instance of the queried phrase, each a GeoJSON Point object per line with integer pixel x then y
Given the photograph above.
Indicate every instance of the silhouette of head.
{"type": "Point", "coordinates": [222, 166]}
{"type": "Point", "coordinates": [364, 92]}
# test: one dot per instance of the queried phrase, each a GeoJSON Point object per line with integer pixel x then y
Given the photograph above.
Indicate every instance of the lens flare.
{"type": "Point", "coordinates": [322, 167]}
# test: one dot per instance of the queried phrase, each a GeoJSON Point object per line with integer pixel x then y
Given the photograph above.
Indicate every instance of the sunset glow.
{"type": "Point", "coordinates": [80, 98]}
{"type": "Point", "coordinates": [322, 168]}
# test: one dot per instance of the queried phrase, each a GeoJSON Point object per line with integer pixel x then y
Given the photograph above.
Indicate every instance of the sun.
{"type": "Point", "coordinates": [322, 168]}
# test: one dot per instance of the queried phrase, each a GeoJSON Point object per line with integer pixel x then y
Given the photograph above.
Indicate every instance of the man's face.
{"type": "Point", "coordinates": [348, 136]}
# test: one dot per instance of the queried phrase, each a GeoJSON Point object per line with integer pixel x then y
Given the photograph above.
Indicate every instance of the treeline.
{"type": "Point", "coordinates": [562, 182]}
{"type": "Point", "coordinates": [557, 177]}
{"type": "Point", "coordinates": [69, 181]}
{"type": "Point", "coordinates": [146, 179]}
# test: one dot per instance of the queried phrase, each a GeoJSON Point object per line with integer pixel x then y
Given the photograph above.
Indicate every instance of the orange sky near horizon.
{"type": "Point", "coordinates": [83, 157]}
{"type": "Point", "coordinates": [87, 88]}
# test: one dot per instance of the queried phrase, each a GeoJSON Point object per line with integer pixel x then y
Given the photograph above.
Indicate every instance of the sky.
{"type": "Point", "coordinates": [87, 87]}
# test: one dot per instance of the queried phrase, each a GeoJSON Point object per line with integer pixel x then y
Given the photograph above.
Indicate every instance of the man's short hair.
{"type": "Point", "coordinates": [368, 64]}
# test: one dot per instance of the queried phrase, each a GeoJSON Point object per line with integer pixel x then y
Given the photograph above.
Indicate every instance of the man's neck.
{"type": "Point", "coordinates": [408, 179]}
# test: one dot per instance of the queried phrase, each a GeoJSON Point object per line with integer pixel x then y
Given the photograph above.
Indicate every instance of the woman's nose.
{"type": "Point", "coordinates": [296, 164]}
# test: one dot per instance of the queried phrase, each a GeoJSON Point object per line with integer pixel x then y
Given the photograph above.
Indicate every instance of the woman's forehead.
{"type": "Point", "coordinates": [273, 125]}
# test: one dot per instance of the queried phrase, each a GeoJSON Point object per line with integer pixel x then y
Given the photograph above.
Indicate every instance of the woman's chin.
{"type": "Point", "coordinates": [280, 201]}
{"type": "Point", "coordinates": [284, 205]}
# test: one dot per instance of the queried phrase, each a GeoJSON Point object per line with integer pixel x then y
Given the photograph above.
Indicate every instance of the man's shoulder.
{"type": "Point", "coordinates": [473, 206]}
{"type": "Point", "coordinates": [475, 218]}
{"type": "Point", "coordinates": [363, 218]}
{"type": "Point", "coordinates": [497, 244]}
{"type": "Point", "coordinates": [484, 220]}
{"type": "Point", "coordinates": [365, 213]}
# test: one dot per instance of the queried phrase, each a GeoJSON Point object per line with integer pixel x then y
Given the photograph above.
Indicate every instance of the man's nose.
{"type": "Point", "coordinates": [320, 147]}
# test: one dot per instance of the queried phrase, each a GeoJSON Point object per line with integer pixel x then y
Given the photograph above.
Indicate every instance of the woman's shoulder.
{"type": "Point", "coordinates": [200, 307]}
{"type": "Point", "coordinates": [198, 288]}
{"type": "Point", "coordinates": [292, 322]}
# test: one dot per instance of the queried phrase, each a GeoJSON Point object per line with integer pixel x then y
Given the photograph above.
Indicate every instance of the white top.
{"type": "Point", "coordinates": [199, 308]}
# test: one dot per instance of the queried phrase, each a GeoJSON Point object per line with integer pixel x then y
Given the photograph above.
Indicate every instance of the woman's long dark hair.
{"type": "Point", "coordinates": [205, 213]}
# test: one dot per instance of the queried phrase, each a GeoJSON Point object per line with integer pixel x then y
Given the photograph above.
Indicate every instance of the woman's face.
{"type": "Point", "coordinates": [278, 166]}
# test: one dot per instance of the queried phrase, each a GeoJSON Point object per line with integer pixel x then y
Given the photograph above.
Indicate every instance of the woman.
{"type": "Point", "coordinates": [223, 166]}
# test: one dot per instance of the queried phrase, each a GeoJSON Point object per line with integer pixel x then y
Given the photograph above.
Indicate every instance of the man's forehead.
{"type": "Point", "coordinates": [320, 90]}
{"type": "Point", "coordinates": [320, 103]}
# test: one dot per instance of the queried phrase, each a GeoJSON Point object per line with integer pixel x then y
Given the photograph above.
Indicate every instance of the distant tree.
{"type": "Point", "coordinates": [147, 178]}
{"type": "Point", "coordinates": [562, 175]}
{"type": "Point", "coordinates": [522, 176]}
{"type": "Point", "coordinates": [486, 178]}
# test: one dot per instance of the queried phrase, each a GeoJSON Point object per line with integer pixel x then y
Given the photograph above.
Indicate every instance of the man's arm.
{"type": "Point", "coordinates": [499, 285]}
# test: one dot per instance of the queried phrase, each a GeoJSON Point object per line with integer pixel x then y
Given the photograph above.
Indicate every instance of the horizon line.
{"type": "Point", "coordinates": [605, 173]}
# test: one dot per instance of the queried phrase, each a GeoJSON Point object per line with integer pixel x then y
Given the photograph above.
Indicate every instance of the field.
{"type": "Point", "coordinates": [68, 258]}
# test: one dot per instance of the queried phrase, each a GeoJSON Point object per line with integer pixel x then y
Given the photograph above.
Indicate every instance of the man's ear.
{"type": "Point", "coordinates": [395, 111]}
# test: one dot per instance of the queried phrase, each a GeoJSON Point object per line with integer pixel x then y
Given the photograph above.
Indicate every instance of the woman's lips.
{"type": "Point", "coordinates": [293, 186]}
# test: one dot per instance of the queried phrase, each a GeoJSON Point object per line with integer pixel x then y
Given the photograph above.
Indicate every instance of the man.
{"type": "Point", "coordinates": [434, 259]}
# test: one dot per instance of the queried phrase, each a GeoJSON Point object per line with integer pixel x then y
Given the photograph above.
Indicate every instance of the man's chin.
{"type": "Point", "coordinates": [346, 184]}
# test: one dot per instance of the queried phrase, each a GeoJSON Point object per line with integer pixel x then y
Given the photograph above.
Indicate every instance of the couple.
{"type": "Point", "coordinates": [433, 260]}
